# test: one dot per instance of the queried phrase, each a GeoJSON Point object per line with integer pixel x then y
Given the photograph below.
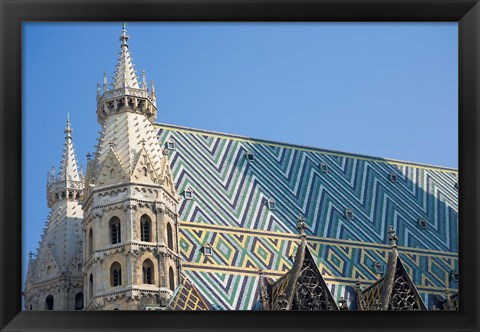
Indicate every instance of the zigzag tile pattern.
{"type": "Point", "coordinates": [232, 191]}
{"type": "Point", "coordinates": [229, 210]}
{"type": "Point", "coordinates": [236, 249]}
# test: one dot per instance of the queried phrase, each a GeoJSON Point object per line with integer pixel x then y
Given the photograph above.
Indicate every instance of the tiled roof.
{"type": "Point", "coordinates": [229, 210]}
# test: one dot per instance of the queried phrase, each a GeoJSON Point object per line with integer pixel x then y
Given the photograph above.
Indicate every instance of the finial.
{"type": "Point", "coordinates": [392, 236]}
{"type": "Point", "coordinates": [144, 80]}
{"type": "Point", "coordinates": [68, 130]}
{"type": "Point", "coordinates": [89, 156]}
{"type": "Point", "coordinates": [301, 225]}
{"type": "Point", "coordinates": [143, 141]}
{"type": "Point", "coordinates": [105, 81]}
{"type": "Point", "coordinates": [358, 287]}
{"type": "Point", "coordinates": [153, 89]}
{"type": "Point", "coordinates": [123, 36]}
{"type": "Point", "coordinates": [30, 255]}
{"type": "Point", "coordinates": [343, 304]}
{"type": "Point", "coordinates": [98, 90]}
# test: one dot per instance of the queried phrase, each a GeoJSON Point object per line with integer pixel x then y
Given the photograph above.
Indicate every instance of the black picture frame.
{"type": "Point", "coordinates": [465, 12]}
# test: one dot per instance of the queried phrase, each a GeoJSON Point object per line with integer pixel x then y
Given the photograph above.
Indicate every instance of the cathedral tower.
{"type": "Point", "coordinates": [130, 203]}
{"type": "Point", "coordinates": [54, 277]}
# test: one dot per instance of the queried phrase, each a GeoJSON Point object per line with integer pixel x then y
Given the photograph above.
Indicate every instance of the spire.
{"type": "Point", "coordinates": [69, 170]}
{"type": "Point", "coordinates": [125, 74]}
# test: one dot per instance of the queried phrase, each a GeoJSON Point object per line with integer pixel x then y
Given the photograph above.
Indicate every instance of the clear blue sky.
{"type": "Point", "coordinates": [381, 89]}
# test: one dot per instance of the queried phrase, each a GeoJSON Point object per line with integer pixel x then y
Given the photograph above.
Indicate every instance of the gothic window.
{"type": "Point", "coordinates": [169, 236]}
{"type": "Point", "coordinates": [145, 172]}
{"type": "Point", "coordinates": [79, 301]}
{"type": "Point", "coordinates": [31, 308]}
{"type": "Point", "coordinates": [145, 228]}
{"type": "Point", "coordinates": [115, 234]}
{"type": "Point", "coordinates": [90, 288]}
{"type": "Point", "coordinates": [79, 267]}
{"type": "Point", "coordinates": [324, 167]}
{"type": "Point", "coordinates": [112, 174]}
{"type": "Point", "coordinates": [403, 297]}
{"type": "Point", "coordinates": [115, 275]}
{"type": "Point", "coordinates": [147, 269]}
{"type": "Point", "coordinates": [49, 302]}
{"type": "Point", "coordinates": [349, 214]}
{"type": "Point", "coordinates": [90, 242]}
{"type": "Point", "coordinates": [393, 177]}
{"type": "Point", "coordinates": [309, 293]}
{"type": "Point", "coordinates": [171, 279]}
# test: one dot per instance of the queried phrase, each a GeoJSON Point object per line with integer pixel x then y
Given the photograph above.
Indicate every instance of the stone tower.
{"type": "Point", "coordinates": [54, 277]}
{"type": "Point", "coordinates": [130, 203]}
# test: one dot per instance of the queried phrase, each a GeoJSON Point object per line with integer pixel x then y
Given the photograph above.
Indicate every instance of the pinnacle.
{"type": "Point", "coordinates": [125, 73]}
{"type": "Point", "coordinates": [68, 169]}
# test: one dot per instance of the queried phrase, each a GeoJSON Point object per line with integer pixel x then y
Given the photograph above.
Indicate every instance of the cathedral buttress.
{"type": "Point", "coordinates": [130, 227]}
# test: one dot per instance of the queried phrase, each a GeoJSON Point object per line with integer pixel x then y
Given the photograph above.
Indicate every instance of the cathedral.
{"type": "Point", "coordinates": [174, 218]}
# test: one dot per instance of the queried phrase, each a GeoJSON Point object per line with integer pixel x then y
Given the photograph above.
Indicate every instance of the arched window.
{"type": "Point", "coordinates": [90, 242]}
{"type": "Point", "coordinates": [169, 236]}
{"type": "Point", "coordinates": [115, 275]}
{"type": "Point", "coordinates": [147, 269]}
{"type": "Point", "coordinates": [79, 267]}
{"type": "Point", "coordinates": [49, 302]}
{"type": "Point", "coordinates": [79, 301]}
{"type": "Point", "coordinates": [90, 288]}
{"type": "Point", "coordinates": [115, 233]}
{"type": "Point", "coordinates": [31, 307]}
{"type": "Point", "coordinates": [112, 174]}
{"type": "Point", "coordinates": [145, 228]}
{"type": "Point", "coordinates": [171, 279]}
{"type": "Point", "coordinates": [145, 172]}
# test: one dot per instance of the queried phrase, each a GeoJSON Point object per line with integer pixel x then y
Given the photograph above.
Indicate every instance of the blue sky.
{"type": "Point", "coordinates": [381, 89]}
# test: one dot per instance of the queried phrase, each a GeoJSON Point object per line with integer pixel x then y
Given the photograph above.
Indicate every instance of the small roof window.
{"type": "Point", "coordinates": [422, 222]}
{"type": "Point", "coordinates": [349, 214]}
{"type": "Point", "coordinates": [454, 275]}
{"type": "Point", "coordinates": [207, 249]}
{"type": "Point", "coordinates": [188, 193]}
{"type": "Point", "coordinates": [250, 156]}
{"type": "Point", "coordinates": [378, 267]}
{"type": "Point", "coordinates": [324, 167]}
{"type": "Point", "coordinates": [271, 204]}
{"type": "Point", "coordinates": [393, 177]}
{"type": "Point", "coordinates": [171, 145]}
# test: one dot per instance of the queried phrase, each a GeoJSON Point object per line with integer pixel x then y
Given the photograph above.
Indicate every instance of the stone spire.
{"type": "Point", "coordinates": [68, 168]}
{"type": "Point", "coordinates": [69, 182]}
{"type": "Point", "coordinates": [125, 73]}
